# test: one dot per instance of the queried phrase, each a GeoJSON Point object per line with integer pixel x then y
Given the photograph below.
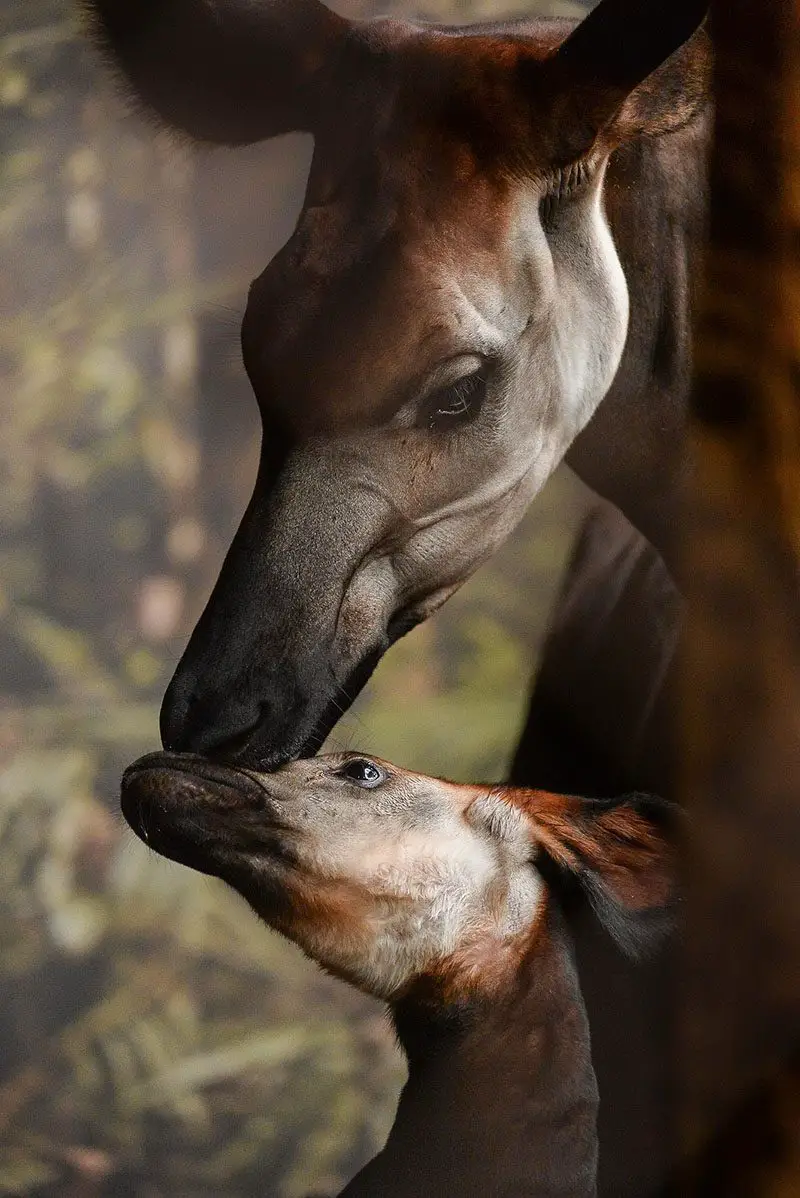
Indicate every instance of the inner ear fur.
{"type": "Point", "coordinates": [669, 98]}
{"type": "Point", "coordinates": [621, 854]}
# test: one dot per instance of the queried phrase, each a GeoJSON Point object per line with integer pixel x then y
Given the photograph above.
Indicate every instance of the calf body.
{"type": "Point", "coordinates": [501, 1097]}
{"type": "Point", "coordinates": [446, 901]}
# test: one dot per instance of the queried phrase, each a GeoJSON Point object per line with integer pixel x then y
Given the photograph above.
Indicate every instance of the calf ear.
{"type": "Point", "coordinates": [621, 853]}
{"type": "Point", "coordinates": [226, 71]}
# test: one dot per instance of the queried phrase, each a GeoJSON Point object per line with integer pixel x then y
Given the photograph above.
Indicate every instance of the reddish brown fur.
{"type": "Point", "coordinates": [482, 970]}
{"type": "Point", "coordinates": [636, 864]}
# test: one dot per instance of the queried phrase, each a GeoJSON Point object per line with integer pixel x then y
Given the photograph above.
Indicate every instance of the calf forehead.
{"type": "Point", "coordinates": [407, 807]}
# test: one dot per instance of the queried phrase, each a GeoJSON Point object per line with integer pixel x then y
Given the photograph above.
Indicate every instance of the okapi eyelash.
{"type": "Point", "coordinates": [563, 184]}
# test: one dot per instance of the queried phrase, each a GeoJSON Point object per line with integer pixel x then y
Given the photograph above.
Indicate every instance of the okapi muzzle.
{"type": "Point", "coordinates": [443, 323]}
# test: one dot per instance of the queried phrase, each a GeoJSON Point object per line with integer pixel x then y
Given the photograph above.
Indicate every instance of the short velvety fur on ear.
{"type": "Point", "coordinates": [658, 80]}
{"type": "Point", "coordinates": [231, 71]}
{"type": "Point", "coordinates": [621, 854]}
{"type": "Point", "coordinates": [670, 97]}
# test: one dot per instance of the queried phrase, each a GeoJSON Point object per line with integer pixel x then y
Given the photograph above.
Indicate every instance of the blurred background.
{"type": "Point", "coordinates": [154, 1038]}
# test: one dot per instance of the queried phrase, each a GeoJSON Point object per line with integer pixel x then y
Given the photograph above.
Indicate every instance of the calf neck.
{"type": "Point", "coordinates": [501, 1097]}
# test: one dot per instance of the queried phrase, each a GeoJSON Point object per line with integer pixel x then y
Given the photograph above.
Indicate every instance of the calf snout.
{"type": "Point", "coordinates": [193, 810]}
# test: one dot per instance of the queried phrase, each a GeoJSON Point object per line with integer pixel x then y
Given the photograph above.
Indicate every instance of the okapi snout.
{"type": "Point", "coordinates": [193, 811]}
{"type": "Point", "coordinates": [310, 595]}
{"type": "Point", "coordinates": [402, 883]}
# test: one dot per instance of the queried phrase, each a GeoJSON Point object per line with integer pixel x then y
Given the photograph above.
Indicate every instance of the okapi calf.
{"type": "Point", "coordinates": [447, 901]}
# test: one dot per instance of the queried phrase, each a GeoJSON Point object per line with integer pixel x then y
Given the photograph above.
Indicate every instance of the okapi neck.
{"type": "Point", "coordinates": [501, 1098]}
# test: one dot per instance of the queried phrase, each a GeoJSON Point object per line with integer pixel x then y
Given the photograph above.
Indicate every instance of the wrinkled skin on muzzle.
{"type": "Point", "coordinates": [447, 317]}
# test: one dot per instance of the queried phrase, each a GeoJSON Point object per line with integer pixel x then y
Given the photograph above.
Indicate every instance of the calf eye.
{"type": "Point", "coordinates": [456, 403]}
{"type": "Point", "coordinates": [364, 773]}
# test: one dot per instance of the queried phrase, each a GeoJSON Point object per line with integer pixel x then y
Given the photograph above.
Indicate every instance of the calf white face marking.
{"type": "Point", "coordinates": [393, 873]}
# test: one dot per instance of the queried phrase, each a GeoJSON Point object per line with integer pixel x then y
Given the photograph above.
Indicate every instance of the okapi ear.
{"type": "Point", "coordinates": [669, 98]}
{"type": "Point", "coordinates": [631, 68]}
{"type": "Point", "coordinates": [225, 71]}
{"type": "Point", "coordinates": [621, 854]}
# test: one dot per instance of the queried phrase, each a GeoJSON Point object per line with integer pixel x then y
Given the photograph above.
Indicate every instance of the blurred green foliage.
{"type": "Point", "coordinates": [154, 1039]}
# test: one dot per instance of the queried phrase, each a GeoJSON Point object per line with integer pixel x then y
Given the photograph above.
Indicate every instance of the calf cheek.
{"type": "Point", "coordinates": [335, 925]}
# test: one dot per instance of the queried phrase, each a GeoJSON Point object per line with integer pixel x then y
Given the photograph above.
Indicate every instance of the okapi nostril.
{"type": "Point", "coordinates": [207, 723]}
{"type": "Point", "coordinates": [229, 748]}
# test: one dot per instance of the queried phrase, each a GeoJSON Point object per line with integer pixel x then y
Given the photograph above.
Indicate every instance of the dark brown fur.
{"type": "Point", "coordinates": [420, 135]}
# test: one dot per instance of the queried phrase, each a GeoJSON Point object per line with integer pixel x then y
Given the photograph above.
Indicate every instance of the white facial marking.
{"type": "Point", "coordinates": [402, 876]}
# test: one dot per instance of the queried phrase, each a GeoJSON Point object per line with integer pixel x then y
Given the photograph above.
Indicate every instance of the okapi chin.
{"type": "Point", "coordinates": [490, 272]}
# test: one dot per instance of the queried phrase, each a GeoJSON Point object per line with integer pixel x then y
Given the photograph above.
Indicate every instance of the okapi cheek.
{"type": "Point", "coordinates": [365, 612]}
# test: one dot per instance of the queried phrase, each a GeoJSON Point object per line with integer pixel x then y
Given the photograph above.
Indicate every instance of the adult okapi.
{"type": "Point", "coordinates": [493, 254]}
{"type": "Point", "coordinates": [491, 271]}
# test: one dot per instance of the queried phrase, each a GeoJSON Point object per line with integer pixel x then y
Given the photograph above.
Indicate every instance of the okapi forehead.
{"type": "Point", "coordinates": [413, 190]}
{"type": "Point", "coordinates": [413, 81]}
{"type": "Point", "coordinates": [381, 294]}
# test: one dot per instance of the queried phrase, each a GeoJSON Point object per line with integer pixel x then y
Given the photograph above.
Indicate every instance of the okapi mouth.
{"type": "Point", "coordinates": [247, 749]}
{"type": "Point", "coordinates": [401, 623]}
{"type": "Point", "coordinates": [338, 704]}
{"type": "Point", "coordinates": [197, 812]}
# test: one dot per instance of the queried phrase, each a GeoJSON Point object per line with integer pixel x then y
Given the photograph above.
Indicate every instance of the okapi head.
{"type": "Point", "coordinates": [388, 877]}
{"type": "Point", "coordinates": [444, 321]}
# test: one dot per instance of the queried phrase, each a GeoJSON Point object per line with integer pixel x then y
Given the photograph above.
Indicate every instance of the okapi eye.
{"type": "Point", "coordinates": [365, 773]}
{"type": "Point", "coordinates": [457, 403]}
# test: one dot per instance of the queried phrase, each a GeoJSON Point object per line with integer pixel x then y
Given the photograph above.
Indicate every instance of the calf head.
{"type": "Point", "coordinates": [389, 878]}
{"type": "Point", "coordinates": [445, 319]}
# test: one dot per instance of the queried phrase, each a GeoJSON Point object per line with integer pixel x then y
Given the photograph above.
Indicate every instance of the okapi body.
{"type": "Point", "coordinates": [601, 722]}
{"type": "Point", "coordinates": [491, 272]}
{"type": "Point", "coordinates": [445, 901]}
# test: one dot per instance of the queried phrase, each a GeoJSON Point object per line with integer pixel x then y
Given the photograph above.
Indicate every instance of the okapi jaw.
{"type": "Point", "coordinates": [445, 900]}
{"type": "Point", "coordinates": [447, 317]}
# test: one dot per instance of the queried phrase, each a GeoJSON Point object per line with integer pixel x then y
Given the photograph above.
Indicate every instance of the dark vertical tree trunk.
{"type": "Point", "coordinates": [738, 1027]}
